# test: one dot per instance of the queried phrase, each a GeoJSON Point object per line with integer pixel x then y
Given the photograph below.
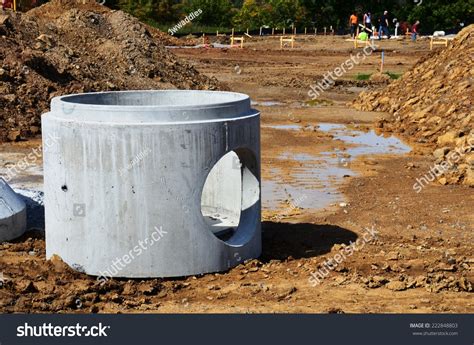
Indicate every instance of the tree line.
{"type": "Point", "coordinates": [252, 14]}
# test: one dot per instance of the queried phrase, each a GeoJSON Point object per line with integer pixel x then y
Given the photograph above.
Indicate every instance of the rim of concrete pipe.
{"type": "Point", "coordinates": [152, 106]}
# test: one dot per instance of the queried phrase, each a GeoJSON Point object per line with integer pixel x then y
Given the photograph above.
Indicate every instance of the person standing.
{"type": "Point", "coordinates": [368, 23]}
{"type": "Point", "coordinates": [383, 29]}
{"type": "Point", "coordinates": [414, 30]}
{"type": "Point", "coordinates": [7, 4]}
{"type": "Point", "coordinates": [353, 21]}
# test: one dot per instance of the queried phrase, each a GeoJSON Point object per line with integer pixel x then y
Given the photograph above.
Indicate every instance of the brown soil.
{"type": "Point", "coordinates": [433, 103]}
{"type": "Point", "coordinates": [65, 47]}
{"type": "Point", "coordinates": [420, 261]}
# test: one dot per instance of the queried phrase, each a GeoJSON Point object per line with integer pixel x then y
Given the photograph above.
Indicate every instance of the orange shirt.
{"type": "Point", "coordinates": [354, 19]}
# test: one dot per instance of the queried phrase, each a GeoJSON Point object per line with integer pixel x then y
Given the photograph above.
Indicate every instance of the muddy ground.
{"type": "Point", "coordinates": [327, 180]}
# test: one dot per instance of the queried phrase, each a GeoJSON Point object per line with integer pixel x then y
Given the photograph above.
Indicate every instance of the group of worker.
{"type": "Point", "coordinates": [368, 25]}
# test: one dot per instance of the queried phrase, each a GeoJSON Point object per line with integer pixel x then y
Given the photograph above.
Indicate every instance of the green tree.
{"type": "Point", "coordinates": [253, 14]}
{"type": "Point", "coordinates": [439, 15]}
{"type": "Point", "coordinates": [433, 14]}
{"type": "Point", "coordinates": [214, 12]}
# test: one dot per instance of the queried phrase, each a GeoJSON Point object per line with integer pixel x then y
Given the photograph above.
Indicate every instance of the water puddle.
{"type": "Point", "coordinates": [315, 182]}
{"type": "Point", "coordinates": [366, 142]}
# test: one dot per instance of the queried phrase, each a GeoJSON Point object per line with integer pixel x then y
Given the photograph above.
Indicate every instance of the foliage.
{"type": "Point", "coordinates": [442, 15]}
{"type": "Point", "coordinates": [242, 14]}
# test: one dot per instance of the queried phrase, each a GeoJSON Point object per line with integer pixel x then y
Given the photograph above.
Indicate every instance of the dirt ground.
{"type": "Point", "coordinates": [418, 258]}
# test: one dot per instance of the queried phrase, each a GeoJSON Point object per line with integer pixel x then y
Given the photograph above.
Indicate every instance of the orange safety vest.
{"type": "Point", "coordinates": [354, 19]}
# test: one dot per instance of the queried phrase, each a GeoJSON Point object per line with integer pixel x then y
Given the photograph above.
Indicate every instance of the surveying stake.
{"type": "Point", "coordinates": [382, 61]}
{"type": "Point", "coordinates": [205, 40]}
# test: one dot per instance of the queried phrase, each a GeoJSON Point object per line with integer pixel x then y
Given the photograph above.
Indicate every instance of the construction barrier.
{"type": "Point", "coordinates": [290, 39]}
{"type": "Point", "coordinates": [238, 39]}
{"type": "Point", "coordinates": [438, 41]}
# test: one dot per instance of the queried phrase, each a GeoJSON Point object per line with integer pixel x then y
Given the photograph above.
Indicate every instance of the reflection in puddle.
{"type": "Point", "coordinates": [315, 183]}
{"type": "Point", "coordinates": [366, 142]}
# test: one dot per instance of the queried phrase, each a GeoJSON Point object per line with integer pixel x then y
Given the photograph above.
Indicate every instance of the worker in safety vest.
{"type": "Point", "coordinates": [353, 21]}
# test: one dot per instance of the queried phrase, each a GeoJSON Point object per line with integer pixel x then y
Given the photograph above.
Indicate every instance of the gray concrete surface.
{"type": "Point", "coordinates": [152, 183]}
{"type": "Point", "coordinates": [12, 213]}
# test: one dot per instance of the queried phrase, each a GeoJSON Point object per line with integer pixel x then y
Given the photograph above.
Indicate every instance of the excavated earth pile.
{"type": "Point", "coordinates": [67, 47]}
{"type": "Point", "coordinates": [433, 103]}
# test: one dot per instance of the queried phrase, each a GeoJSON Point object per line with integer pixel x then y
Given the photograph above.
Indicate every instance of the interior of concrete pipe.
{"type": "Point", "coordinates": [159, 106]}
{"type": "Point", "coordinates": [156, 98]}
{"type": "Point", "coordinates": [230, 191]}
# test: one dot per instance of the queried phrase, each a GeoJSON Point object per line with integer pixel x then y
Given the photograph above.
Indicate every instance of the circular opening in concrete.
{"type": "Point", "coordinates": [156, 98]}
{"type": "Point", "coordinates": [230, 196]}
{"type": "Point", "coordinates": [152, 106]}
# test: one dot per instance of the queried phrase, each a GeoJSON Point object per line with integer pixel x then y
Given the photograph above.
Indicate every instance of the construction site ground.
{"type": "Point", "coordinates": [327, 179]}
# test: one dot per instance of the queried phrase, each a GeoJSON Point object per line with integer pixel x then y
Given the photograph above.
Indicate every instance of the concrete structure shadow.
{"type": "Point", "coordinates": [301, 240]}
{"type": "Point", "coordinates": [34, 214]}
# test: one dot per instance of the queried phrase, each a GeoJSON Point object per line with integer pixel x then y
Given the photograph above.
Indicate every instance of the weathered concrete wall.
{"type": "Point", "coordinates": [128, 163]}
{"type": "Point", "coordinates": [12, 213]}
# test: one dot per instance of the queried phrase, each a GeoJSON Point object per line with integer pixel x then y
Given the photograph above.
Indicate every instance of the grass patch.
{"type": "Point", "coordinates": [363, 76]}
{"type": "Point", "coordinates": [366, 76]}
{"type": "Point", "coordinates": [393, 75]}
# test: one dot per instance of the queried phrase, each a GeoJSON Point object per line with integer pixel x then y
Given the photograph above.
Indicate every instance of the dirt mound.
{"type": "Point", "coordinates": [433, 103]}
{"type": "Point", "coordinates": [64, 47]}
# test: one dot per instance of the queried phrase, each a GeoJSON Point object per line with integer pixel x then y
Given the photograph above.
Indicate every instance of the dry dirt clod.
{"type": "Point", "coordinates": [26, 286]}
{"type": "Point", "coordinates": [396, 286]}
{"type": "Point", "coordinates": [393, 255]}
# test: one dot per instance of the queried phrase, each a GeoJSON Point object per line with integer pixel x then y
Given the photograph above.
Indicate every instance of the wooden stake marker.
{"type": "Point", "coordinates": [438, 41]}
{"type": "Point", "coordinates": [238, 39]}
{"type": "Point", "coordinates": [290, 39]}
